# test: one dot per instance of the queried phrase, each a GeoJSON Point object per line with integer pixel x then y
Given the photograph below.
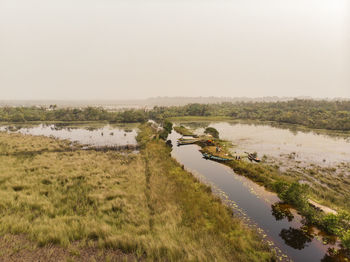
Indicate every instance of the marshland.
{"type": "Point", "coordinates": [184, 131]}
{"type": "Point", "coordinates": [157, 201]}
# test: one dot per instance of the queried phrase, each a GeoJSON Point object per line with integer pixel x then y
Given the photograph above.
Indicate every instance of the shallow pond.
{"type": "Point", "coordinates": [94, 135]}
{"type": "Point", "coordinates": [303, 146]}
{"type": "Point", "coordinates": [283, 229]}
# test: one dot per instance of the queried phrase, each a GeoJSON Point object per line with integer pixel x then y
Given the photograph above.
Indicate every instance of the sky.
{"type": "Point", "coordinates": [135, 49]}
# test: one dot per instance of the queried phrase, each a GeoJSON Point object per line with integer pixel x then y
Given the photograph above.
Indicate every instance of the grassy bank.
{"type": "Point", "coordinates": [133, 207]}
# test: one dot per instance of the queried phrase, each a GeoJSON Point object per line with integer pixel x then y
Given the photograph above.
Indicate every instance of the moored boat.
{"type": "Point", "coordinates": [216, 158]}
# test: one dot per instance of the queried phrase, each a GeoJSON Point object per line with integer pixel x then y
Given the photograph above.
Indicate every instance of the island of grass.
{"type": "Point", "coordinates": [61, 203]}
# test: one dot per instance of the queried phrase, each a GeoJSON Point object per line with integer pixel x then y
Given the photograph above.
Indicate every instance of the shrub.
{"type": "Point", "coordinates": [330, 223]}
{"type": "Point", "coordinates": [212, 131]}
{"type": "Point", "coordinates": [345, 239]}
{"type": "Point", "coordinates": [295, 194]}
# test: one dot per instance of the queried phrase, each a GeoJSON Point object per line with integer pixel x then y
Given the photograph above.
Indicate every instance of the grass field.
{"type": "Point", "coordinates": [60, 203]}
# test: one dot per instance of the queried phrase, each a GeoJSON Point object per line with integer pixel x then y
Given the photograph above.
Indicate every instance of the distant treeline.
{"type": "Point", "coordinates": [333, 115]}
{"type": "Point", "coordinates": [25, 114]}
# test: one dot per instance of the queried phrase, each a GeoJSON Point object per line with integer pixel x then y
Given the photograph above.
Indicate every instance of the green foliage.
{"type": "Point", "coordinates": [295, 194]}
{"type": "Point", "coordinates": [163, 135]}
{"type": "Point", "coordinates": [280, 186]}
{"type": "Point", "coordinates": [334, 115]}
{"type": "Point", "coordinates": [131, 116]}
{"type": "Point", "coordinates": [167, 128]}
{"type": "Point", "coordinates": [25, 114]}
{"type": "Point", "coordinates": [345, 238]}
{"type": "Point", "coordinates": [212, 131]}
{"type": "Point", "coordinates": [331, 224]}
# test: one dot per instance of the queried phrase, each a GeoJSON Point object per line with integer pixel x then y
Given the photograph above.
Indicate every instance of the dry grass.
{"type": "Point", "coordinates": [145, 204]}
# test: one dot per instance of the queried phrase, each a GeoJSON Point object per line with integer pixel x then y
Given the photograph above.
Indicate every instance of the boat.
{"type": "Point", "coordinates": [189, 142]}
{"type": "Point", "coordinates": [188, 139]}
{"type": "Point", "coordinates": [191, 135]}
{"type": "Point", "coordinates": [252, 157]}
{"type": "Point", "coordinates": [216, 158]}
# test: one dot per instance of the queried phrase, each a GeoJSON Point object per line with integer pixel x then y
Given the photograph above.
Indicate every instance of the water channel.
{"type": "Point", "coordinates": [287, 235]}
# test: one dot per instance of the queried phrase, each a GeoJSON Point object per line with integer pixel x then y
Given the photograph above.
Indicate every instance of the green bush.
{"type": "Point", "coordinates": [280, 186]}
{"type": "Point", "coordinates": [167, 128]}
{"type": "Point", "coordinates": [296, 194]}
{"type": "Point", "coordinates": [345, 239]}
{"type": "Point", "coordinates": [212, 131]}
{"type": "Point", "coordinates": [330, 223]}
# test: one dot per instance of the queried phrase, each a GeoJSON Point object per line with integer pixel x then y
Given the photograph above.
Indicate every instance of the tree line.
{"type": "Point", "coordinates": [27, 114]}
{"type": "Point", "coordinates": [333, 115]}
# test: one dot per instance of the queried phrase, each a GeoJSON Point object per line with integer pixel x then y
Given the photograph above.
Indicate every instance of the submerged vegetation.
{"type": "Point", "coordinates": [141, 204]}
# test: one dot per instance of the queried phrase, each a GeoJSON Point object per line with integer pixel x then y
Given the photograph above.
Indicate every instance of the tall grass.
{"type": "Point", "coordinates": [144, 204]}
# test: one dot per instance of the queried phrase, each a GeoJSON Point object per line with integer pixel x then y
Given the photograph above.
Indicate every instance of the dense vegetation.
{"type": "Point", "coordinates": [298, 195]}
{"type": "Point", "coordinates": [167, 128]}
{"type": "Point", "coordinates": [141, 206]}
{"type": "Point", "coordinates": [25, 114]}
{"type": "Point", "coordinates": [334, 115]}
{"type": "Point", "coordinates": [313, 114]}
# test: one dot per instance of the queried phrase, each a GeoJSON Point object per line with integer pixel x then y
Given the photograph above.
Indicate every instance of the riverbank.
{"type": "Point", "coordinates": [125, 206]}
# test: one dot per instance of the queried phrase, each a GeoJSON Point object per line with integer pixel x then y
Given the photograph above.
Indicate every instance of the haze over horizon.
{"type": "Point", "coordinates": [112, 50]}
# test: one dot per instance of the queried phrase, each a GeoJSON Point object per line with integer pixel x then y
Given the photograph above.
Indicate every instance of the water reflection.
{"type": "Point", "coordinates": [296, 238]}
{"type": "Point", "coordinates": [281, 211]}
{"type": "Point", "coordinates": [93, 135]}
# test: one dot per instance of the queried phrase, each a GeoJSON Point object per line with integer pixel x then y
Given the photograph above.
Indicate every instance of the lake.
{"type": "Point", "coordinates": [101, 135]}
{"type": "Point", "coordinates": [303, 146]}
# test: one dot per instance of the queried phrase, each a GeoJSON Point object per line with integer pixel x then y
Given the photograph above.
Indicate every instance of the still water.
{"type": "Point", "coordinates": [306, 146]}
{"type": "Point", "coordinates": [253, 203]}
{"type": "Point", "coordinates": [105, 135]}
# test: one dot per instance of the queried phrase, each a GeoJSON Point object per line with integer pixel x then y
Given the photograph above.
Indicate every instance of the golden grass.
{"type": "Point", "coordinates": [143, 204]}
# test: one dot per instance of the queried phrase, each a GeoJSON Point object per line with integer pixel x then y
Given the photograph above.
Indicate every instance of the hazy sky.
{"type": "Point", "coordinates": [112, 49]}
